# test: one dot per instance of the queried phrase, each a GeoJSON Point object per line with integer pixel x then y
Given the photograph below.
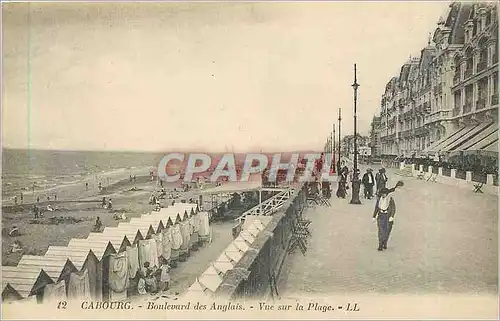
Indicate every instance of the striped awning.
{"type": "Point", "coordinates": [468, 138]}
{"type": "Point", "coordinates": [438, 145]}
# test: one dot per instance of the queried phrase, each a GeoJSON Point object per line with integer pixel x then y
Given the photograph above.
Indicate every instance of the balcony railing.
{"type": "Point", "coordinates": [420, 131]}
{"type": "Point", "coordinates": [468, 73]}
{"type": "Point", "coordinates": [480, 103]}
{"type": "Point", "coordinates": [456, 78]}
{"type": "Point", "coordinates": [494, 99]}
{"type": "Point", "coordinates": [481, 66]}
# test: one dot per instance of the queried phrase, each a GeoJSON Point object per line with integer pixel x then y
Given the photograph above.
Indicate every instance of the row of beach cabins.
{"type": "Point", "coordinates": [105, 266]}
{"type": "Point", "coordinates": [207, 284]}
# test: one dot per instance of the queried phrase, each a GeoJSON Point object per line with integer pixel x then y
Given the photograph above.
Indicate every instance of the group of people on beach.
{"type": "Point", "coordinates": [152, 279]}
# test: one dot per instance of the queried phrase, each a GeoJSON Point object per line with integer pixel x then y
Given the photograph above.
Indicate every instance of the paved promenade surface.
{"type": "Point", "coordinates": [444, 240]}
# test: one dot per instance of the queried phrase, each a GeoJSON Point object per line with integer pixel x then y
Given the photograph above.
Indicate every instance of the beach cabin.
{"type": "Point", "coordinates": [85, 261]}
{"type": "Point", "coordinates": [131, 232]}
{"type": "Point", "coordinates": [211, 279]}
{"type": "Point", "coordinates": [176, 241]}
{"type": "Point", "coordinates": [241, 244]}
{"type": "Point", "coordinates": [59, 269]}
{"type": "Point", "coordinates": [145, 228]}
{"type": "Point", "coordinates": [118, 240]}
{"type": "Point", "coordinates": [102, 250]}
{"type": "Point", "coordinates": [21, 283]}
{"type": "Point", "coordinates": [223, 264]}
{"type": "Point", "coordinates": [198, 291]}
{"type": "Point", "coordinates": [186, 236]}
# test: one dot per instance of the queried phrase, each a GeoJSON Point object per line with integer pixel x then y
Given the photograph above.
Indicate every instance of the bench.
{"type": "Point", "coordinates": [478, 187]}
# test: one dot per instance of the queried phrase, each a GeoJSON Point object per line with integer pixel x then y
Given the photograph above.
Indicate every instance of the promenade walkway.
{"type": "Point", "coordinates": [444, 241]}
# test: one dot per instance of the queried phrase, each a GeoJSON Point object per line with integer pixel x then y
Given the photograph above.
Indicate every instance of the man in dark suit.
{"type": "Point", "coordinates": [368, 182]}
{"type": "Point", "coordinates": [381, 179]}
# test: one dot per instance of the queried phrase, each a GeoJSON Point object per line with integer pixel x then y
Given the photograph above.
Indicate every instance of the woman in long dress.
{"type": "Point", "coordinates": [341, 190]}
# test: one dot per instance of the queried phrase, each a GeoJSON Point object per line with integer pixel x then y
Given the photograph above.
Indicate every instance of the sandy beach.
{"type": "Point", "coordinates": [77, 210]}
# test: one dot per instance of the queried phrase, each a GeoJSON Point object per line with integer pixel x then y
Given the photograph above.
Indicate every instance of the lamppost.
{"type": "Point", "coordinates": [340, 145]}
{"type": "Point", "coordinates": [356, 182]}
{"type": "Point", "coordinates": [333, 147]}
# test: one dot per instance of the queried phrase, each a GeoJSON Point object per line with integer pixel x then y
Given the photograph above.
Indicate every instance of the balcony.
{"type": "Point", "coordinates": [420, 131]}
{"type": "Point", "coordinates": [494, 99]}
{"type": "Point", "coordinates": [468, 73]}
{"type": "Point", "coordinates": [456, 78]}
{"type": "Point", "coordinates": [426, 108]}
{"type": "Point", "coordinates": [480, 103]}
{"type": "Point", "coordinates": [481, 66]}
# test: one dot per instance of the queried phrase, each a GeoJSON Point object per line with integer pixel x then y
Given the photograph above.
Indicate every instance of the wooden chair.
{"type": "Point", "coordinates": [312, 200]}
{"type": "Point", "coordinates": [477, 187]}
{"type": "Point", "coordinates": [299, 236]}
{"type": "Point", "coordinates": [324, 201]}
{"type": "Point", "coordinates": [432, 178]}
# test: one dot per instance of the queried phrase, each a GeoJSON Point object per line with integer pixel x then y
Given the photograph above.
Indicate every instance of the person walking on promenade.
{"type": "Point", "coordinates": [385, 210]}
{"type": "Point", "coordinates": [381, 179]}
{"type": "Point", "coordinates": [368, 182]}
{"type": "Point", "coordinates": [341, 190]}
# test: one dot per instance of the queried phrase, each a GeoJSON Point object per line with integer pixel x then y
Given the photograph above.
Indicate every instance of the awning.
{"type": "Point", "coordinates": [484, 143]}
{"type": "Point", "coordinates": [482, 139]}
{"type": "Point", "coordinates": [438, 145]}
{"type": "Point", "coordinates": [233, 187]}
{"type": "Point", "coordinates": [459, 144]}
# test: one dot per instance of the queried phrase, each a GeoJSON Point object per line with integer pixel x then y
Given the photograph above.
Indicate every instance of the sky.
{"type": "Point", "coordinates": [200, 76]}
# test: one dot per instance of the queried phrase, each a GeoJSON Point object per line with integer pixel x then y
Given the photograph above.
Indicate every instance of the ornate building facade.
{"type": "Point", "coordinates": [375, 137]}
{"type": "Point", "coordinates": [450, 90]}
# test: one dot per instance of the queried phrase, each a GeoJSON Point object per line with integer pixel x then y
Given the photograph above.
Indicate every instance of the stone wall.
{"type": "Point", "coordinates": [251, 277]}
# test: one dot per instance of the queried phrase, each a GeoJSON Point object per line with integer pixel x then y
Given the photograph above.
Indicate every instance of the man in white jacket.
{"type": "Point", "coordinates": [385, 210]}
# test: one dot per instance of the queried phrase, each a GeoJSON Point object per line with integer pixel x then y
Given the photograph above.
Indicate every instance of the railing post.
{"type": "Point", "coordinates": [440, 171]}
{"type": "Point", "coordinates": [429, 169]}
{"type": "Point", "coordinates": [453, 173]}
{"type": "Point", "coordinates": [421, 168]}
{"type": "Point", "coordinates": [468, 176]}
{"type": "Point", "coordinates": [489, 179]}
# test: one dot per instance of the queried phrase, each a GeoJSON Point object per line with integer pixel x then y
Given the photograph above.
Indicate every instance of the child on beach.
{"type": "Point", "coordinates": [164, 276]}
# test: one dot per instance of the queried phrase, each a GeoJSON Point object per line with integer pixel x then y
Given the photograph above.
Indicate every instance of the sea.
{"type": "Point", "coordinates": [22, 168]}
